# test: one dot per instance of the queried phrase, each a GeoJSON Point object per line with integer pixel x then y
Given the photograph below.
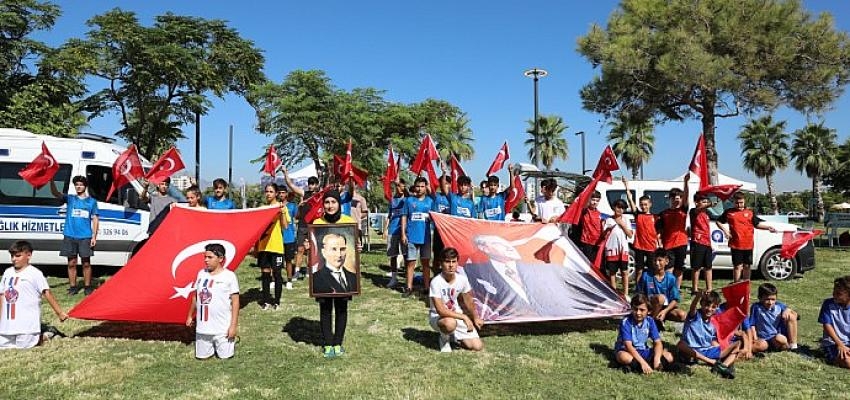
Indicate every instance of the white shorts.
{"type": "Point", "coordinates": [208, 345]}
{"type": "Point", "coordinates": [460, 332]}
{"type": "Point", "coordinates": [21, 341]}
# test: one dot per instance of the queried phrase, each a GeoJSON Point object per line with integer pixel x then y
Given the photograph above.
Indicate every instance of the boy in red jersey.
{"type": "Point", "coordinates": [701, 253]}
{"type": "Point", "coordinates": [646, 236]}
{"type": "Point", "coordinates": [591, 227]}
{"type": "Point", "coordinates": [671, 227]}
{"type": "Point", "coordinates": [742, 224]}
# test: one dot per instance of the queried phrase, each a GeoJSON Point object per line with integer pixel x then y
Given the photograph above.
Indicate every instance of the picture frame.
{"type": "Point", "coordinates": [333, 246]}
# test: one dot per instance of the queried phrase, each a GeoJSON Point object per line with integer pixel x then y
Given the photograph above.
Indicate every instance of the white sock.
{"type": "Point", "coordinates": [792, 346]}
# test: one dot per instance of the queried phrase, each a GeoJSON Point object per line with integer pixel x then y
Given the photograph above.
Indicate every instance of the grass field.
{"type": "Point", "coordinates": [393, 354]}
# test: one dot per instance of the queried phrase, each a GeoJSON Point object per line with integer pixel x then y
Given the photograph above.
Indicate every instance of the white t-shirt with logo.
{"type": "Point", "coordinates": [212, 300]}
{"type": "Point", "coordinates": [448, 292]}
{"type": "Point", "coordinates": [21, 300]}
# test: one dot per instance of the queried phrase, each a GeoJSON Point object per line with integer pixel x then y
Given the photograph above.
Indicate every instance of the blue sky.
{"type": "Point", "coordinates": [470, 53]}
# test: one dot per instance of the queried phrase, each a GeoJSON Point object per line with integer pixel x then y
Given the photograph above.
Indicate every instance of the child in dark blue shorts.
{"type": "Point", "coordinates": [699, 337]}
{"type": "Point", "coordinates": [636, 330]}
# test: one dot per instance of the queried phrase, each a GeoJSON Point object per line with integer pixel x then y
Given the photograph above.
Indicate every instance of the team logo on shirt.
{"type": "Point", "coordinates": [11, 295]}
{"type": "Point", "coordinates": [204, 296]}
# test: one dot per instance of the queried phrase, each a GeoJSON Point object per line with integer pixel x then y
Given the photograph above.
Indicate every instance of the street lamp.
{"type": "Point", "coordinates": [536, 74]}
{"type": "Point", "coordinates": [583, 170]}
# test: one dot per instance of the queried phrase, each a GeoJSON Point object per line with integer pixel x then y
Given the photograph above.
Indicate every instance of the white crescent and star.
{"type": "Point", "coordinates": [190, 251]}
{"type": "Point", "coordinates": [50, 160]}
{"type": "Point", "coordinates": [171, 164]}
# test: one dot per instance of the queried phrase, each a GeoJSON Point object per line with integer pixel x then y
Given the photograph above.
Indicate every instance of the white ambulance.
{"type": "Point", "coordinates": [766, 257]}
{"type": "Point", "coordinates": [38, 216]}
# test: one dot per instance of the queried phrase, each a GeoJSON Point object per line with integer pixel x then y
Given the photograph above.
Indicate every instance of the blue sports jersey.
{"type": "Point", "coordinates": [638, 334]}
{"type": "Point", "coordinates": [650, 286]}
{"type": "Point", "coordinates": [698, 333]}
{"type": "Point", "coordinates": [345, 202]}
{"type": "Point", "coordinates": [289, 230]}
{"type": "Point", "coordinates": [461, 206]}
{"type": "Point", "coordinates": [832, 313]}
{"type": "Point", "coordinates": [745, 324]}
{"type": "Point", "coordinates": [210, 202]}
{"type": "Point", "coordinates": [442, 203]}
{"type": "Point", "coordinates": [394, 215]}
{"type": "Point", "coordinates": [493, 207]}
{"type": "Point", "coordinates": [768, 321]}
{"type": "Point", "coordinates": [418, 220]}
{"type": "Point", "coordinates": [78, 216]}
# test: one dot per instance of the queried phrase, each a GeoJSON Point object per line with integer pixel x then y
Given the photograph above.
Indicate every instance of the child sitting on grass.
{"type": "Point", "coordinates": [633, 353]}
{"type": "Point", "coordinates": [699, 337]}
{"type": "Point", "coordinates": [835, 317]}
{"type": "Point", "coordinates": [659, 286]}
{"type": "Point", "coordinates": [452, 318]}
{"type": "Point", "coordinates": [773, 326]}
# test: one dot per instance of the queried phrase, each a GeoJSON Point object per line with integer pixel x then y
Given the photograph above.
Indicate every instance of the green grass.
{"type": "Point", "coordinates": [391, 353]}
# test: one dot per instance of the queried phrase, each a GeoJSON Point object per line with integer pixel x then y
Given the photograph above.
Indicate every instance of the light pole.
{"type": "Point", "coordinates": [536, 74]}
{"type": "Point", "coordinates": [583, 170]}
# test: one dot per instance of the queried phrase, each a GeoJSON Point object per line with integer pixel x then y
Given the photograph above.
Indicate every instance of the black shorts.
{"type": "Point", "coordinates": [301, 235]}
{"type": "Point", "coordinates": [742, 257]}
{"type": "Point", "coordinates": [289, 251]}
{"type": "Point", "coordinates": [590, 251]}
{"type": "Point", "coordinates": [72, 248]}
{"type": "Point", "coordinates": [612, 267]}
{"type": "Point", "coordinates": [644, 260]}
{"type": "Point", "coordinates": [266, 259]}
{"type": "Point", "coordinates": [701, 256]}
{"type": "Point", "coordinates": [677, 257]}
{"type": "Point", "coordinates": [437, 246]}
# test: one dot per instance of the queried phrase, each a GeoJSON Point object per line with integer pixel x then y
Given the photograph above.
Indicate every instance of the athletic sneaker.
{"type": "Point", "coordinates": [88, 290]}
{"type": "Point", "coordinates": [73, 290]}
{"type": "Point", "coordinates": [407, 292]}
{"type": "Point", "coordinates": [265, 307]}
{"type": "Point", "coordinates": [275, 307]}
{"type": "Point", "coordinates": [288, 285]}
{"type": "Point", "coordinates": [392, 283]}
{"type": "Point", "coordinates": [329, 352]}
{"type": "Point", "coordinates": [445, 343]}
{"type": "Point", "coordinates": [722, 370]}
{"type": "Point", "coordinates": [338, 350]}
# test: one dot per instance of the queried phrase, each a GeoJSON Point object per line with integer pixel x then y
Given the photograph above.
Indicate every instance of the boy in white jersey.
{"type": "Point", "coordinates": [215, 307]}
{"type": "Point", "coordinates": [23, 286]}
{"type": "Point", "coordinates": [452, 309]}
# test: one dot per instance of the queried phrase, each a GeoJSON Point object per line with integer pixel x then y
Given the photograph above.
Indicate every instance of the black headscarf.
{"type": "Point", "coordinates": [332, 218]}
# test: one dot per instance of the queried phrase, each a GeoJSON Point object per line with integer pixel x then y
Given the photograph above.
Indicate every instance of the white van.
{"type": "Point", "coordinates": [38, 217]}
{"type": "Point", "coordinates": [766, 257]}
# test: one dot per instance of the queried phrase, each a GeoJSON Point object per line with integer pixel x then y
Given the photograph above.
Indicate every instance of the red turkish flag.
{"type": "Point", "coordinates": [169, 163]}
{"type": "Point", "coordinates": [156, 284]}
{"type": "Point", "coordinates": [456, 171]}
{"type": "Point", "coordinates": [390, 175]}
{"type": "Point", "coordinates": [499, 162]}
{"type": "Point", "coordinates": [792, 242]}
{"type": "Point", "coordinates": [346, 166]}
{"type": "Point", "coordinates": [426, 154]}
{"type": "Point", "coordinates": [573, 213]}
{"type": "Point", "coordinates": [737, 297]}
{"type": "Point", "coordinates": [126, 168]}
{"type": "Point", "coordinates": [515, 195]}
{"type": "Point", "coordinates": [41, 169]}
{"type": "Point", "coordinates": [339, 168]}
{"type": "Point", "coordinates": [723, 192]}
{"type": "Point", "coordinates": [272, 161]}
{"type": "Point", "coordinates": [607, 163]}
{"type": "Point", "coordinates": [317, 209]}
{"type": "Point", "coordinates": [699, 163]}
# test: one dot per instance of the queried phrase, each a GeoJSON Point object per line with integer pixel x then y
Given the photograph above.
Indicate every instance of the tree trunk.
{"type": "Point", "coordinates": [771, 195]}
{"type": "Point", "coordinates": [635, 173]}
{"type": "Point", "coordinates": [708, 124]}
{"type": "Point", "coordinates": [816, 190]}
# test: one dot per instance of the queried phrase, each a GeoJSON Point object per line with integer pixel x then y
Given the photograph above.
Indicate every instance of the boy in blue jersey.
{"type": "Point", "coordinates": [219, 199]}
{"type": "Point", "coordinates": [392, 229]}
{"type": "Point", "coordinates": [289, 233]}
{"type": "Point", "coordinates": [492, 205]}
{"type": "Point", "coordinates": [79, 232]}
{"type": "Point", "coordinates": [632, 351]}
{"type": "Point", "coordinates": [773, 326]}
{"type": "Point", "coordinates": [416, 232]}
{"type": "Point", "coordinates": [441, 202]}
{"type": "Point", "coordinates": [660, 287]}
{"type": "Point", "coordinates": [742, 334]}
{"type": "Point", "coordinates": [835, 317]}
{"type": "Point", "coordinates": [699, 337]}
{"type": "Point", "coordinates": [346, 194]}
{"type": "Point", "coordinates": [462, 204]}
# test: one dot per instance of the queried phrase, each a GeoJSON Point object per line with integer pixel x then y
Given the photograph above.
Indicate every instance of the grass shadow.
{"type": "Point", "coordinates": [377, 280]}
{"type": "Point", "coordinates": [427, 339]}
{"type": "Point", "coordinates": [141, 331]}
{"type": "Point", "coordinates": [250, 296]}
{"type": "Point", "coordinates": [304, 330]}
{"type": "Point", "coordinates": [549, 327]}
{"type": "Point", "coordinates": [605, 351]}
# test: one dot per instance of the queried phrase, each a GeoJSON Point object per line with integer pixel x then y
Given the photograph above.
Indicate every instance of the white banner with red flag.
{"type": "Point", "coordinates": [526, 272]}
{"type": "Point", "coordinates": [41, 169]}
{"type": "Point", "coordinates": [792, 242]}
{"type": "Point", "coordinates": [272, 161]}
{"type": "Point", "coordinates": [127, 167]}
{"type": "Point", "coordinates": [737, 296]}
{"type": "Point", "coordinates": [168, 164]}
{"type": "Point", "coordinates": [156, 284]}
{"type": "Point", "coordinates": [499, 162]}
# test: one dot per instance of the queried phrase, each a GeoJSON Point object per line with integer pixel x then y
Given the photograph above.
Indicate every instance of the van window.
{"type": "Point", "coordinates": [16, 191]}
{"type": "Point", "coordinates": [659, 200]}
{"type": "Point", "coordinates": [717, 207]}
{"type": "Point", "coordinates": [614, 195]}
{"type": "Point", "coordinates": [100, 180]}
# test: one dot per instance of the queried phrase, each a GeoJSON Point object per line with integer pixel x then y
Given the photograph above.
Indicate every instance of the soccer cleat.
{"type": "Point", "coordinates": [73, 290]}
{"type": "Point", "coordinates": [339, 350]}
{"type": "Point", "coordinates": [329, 352]}
{"type": "Point", "coordinates": [88, 290]}
{"type": "Point", "coordinates": [445, 343]}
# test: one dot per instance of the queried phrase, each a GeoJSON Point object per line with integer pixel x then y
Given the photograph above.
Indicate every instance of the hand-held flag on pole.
{"type": "Point", "coordinates": [169, 163]}
{"type": "Point", "coordinates": [126, 168]}
{"type": "Point", "coordinates": [699, 163]}
{"type": "Point", "coordinates": [346, 166]}
{"type": "Point", "coordinates": [390, 175]}
{"type": "Point", "coordinates": [607, 163]}
{"type": "Point", "coordinates": [499, 162]}
{"type": "Point", "coordinates": [426, 154]}
{"type": "Point", "coordinates": [792, 242]}
{"type": "Point", "coordinates": [456, 171]}
{"type": "Point", "coordinates": [359, 174]}
{"type": "Point", "coordinates": [272, 161]}
{"type": "Point", "coordinates": [41, 169]}
{"type": "Point", "coordinates": [317, 209]}
{"type": "Point", "coordinates": [515, 195]}
{"type": "Point", "coordinates": [737, 297]}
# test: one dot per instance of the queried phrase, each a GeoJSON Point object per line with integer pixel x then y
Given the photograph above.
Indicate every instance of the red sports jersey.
{"type": "Point", "coordinates": [591, 226]}
{"type": "Point", "coordinates": [741, 225]}
{"type": "Point", "coordinates": [646, 237]}
{"type": "Point", "coordinates": [672, 222]}
{"type": "Point", "coordinates": [700, 231]}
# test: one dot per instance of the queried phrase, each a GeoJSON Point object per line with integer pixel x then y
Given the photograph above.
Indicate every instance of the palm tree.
{"type": "Point", "coordinates": [814, 151]}
{"type": "Point", "coordinates": [461, 143]}
{"type": "Point", "coordinates": [633, 142]}
{"type": "Point", "coordinates": [550, 140]}
{"type": "Point", "coordinates": [764, 147]}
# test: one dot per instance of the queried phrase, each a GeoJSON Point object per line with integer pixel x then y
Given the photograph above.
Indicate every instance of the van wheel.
{"type": "Point", "coordinates": [776, 268]}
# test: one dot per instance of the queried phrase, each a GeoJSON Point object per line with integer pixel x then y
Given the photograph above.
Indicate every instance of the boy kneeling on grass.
{"type": "Point", "coordinates": [22, 287]}
{"type": "Point", "coordinates": [216, 300]}
{"type": "Point", "coordinates": [660, 288]}
{"type": "Point", "coordinates": [699, 337]}
{"type": "Point", "coordinates": [453, 319]}
{"type": "Point", "coordinates": [835, 317]}
{"type": "Point", "coordinates": [773, 326]}
{"type": "Point", "coordinates": [633, 354]}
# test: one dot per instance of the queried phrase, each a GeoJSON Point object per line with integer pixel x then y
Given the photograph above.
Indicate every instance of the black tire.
{"type": "Point", "coordinates": [776, 268]}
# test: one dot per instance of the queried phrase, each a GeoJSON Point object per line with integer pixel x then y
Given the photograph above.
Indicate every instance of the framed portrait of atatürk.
{"type": "Point", "coordinates": [334, 260]}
